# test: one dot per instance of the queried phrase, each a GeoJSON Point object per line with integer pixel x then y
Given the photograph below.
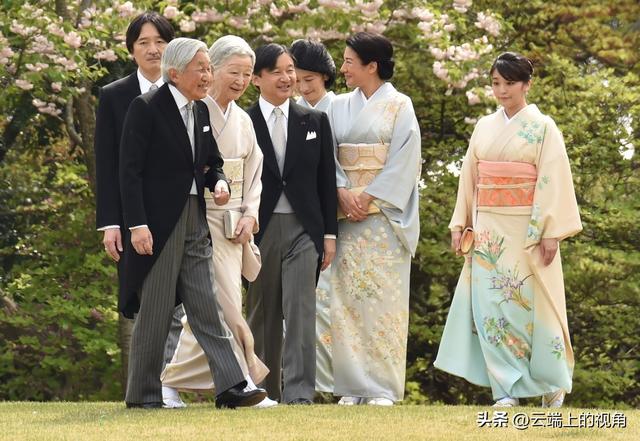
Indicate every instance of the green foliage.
{"type": "Point", "coordinates": [59, 326]}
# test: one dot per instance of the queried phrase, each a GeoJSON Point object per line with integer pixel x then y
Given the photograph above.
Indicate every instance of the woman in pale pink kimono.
{"type": "Point", "coordinates": [315, 73]}
{"type": "Point", "coordinates": [507, 326]}
{"type": "Point", "coordinates": [232, 61]}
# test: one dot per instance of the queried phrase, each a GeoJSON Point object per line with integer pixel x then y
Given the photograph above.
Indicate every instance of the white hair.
{"type": "Point", "coordinates": [228, 46]}
{"type": "Point", "coordinates": [178, 53]}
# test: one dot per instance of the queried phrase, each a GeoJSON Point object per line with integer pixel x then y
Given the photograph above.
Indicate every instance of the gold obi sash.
{"type": "Point", "coordinates": [362, 163]}
{"type": "Point", "coordinates": [234, 171]}
{"type": "Point", "coordinates": [505, 184]}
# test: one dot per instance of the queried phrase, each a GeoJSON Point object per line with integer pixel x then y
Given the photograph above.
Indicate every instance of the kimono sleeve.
{"type": "Point", "coordinates": [463, 212]}
{"type": "Point", "coordinates": [555, 211]}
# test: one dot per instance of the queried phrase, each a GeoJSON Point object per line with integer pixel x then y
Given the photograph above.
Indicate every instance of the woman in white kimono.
{"type": "Point", "coordinates": [315, 73]}
{"type": "Point", "coordinates": [507, 326]}
{"type": "Point", "coordinates": [378, 152]}
{"type": "Point", "coordinates": [232, 61]}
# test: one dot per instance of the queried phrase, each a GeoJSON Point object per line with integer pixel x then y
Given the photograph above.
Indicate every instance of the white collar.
{"type": "Point", "coordinates": [507, 119]}
{"type": "Point", "coordinates": [267, 108]}
{"type": "Point", "coordinates": [179, 98]}
{"type": "Point", "coordinates": [145, 84]}
{"type": "Point", "coordinates": [226, 113]}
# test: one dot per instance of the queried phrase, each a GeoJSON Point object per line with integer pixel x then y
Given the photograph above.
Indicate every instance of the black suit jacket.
{"type": "Point", "coordinates": [309, 175]}
{"type": "Point", "coordinates": [112, 108]}
{"type": "Point", "coordinates": [156, 173]}
{"type": "Point", "coordinates": [114, 101]}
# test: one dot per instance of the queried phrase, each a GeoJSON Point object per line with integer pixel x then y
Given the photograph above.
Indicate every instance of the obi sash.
{"type": "Point", "coordinates": [362, 163]}
{"type": "Point", "coordinates": [505, 184]}
{"type": "Point", "coordinates": [234, 171]}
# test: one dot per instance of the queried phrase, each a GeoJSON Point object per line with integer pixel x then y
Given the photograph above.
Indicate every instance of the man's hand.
{"type": "Point", "coordinates": [329, 253]}
{"type": "Point", "coordinates": [350, 205]}
{"type": "Point", "coordinates": [455, 242]}
{"type": "Point", "coordinates": [221, 193]}
{"type": "Point", "coordinates": [112, 241]}
{"type": "Point", "coordinates": [548, 250]}
{"type": "Point", "coordinates": [142, 240]}
{"type": "Point", "coordinates": [244, 229]}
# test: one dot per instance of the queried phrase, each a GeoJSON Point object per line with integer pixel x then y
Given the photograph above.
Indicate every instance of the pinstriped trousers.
{"type": "Point", "coordinates": [286, 288]}
{"type": "Point", "coordinates": [185, 265]}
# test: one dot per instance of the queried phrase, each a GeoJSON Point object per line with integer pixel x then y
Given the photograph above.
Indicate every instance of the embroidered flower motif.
{"type": "Point", "coordinates": [557, 347]}
{"type": "Point", "coordinates": [544, 180]}
{"type": "Point", "coordinates": [509, 284]}
{"type": "Point", "coordinates": [531, 131]}
{"type": "Point", "coordinates": [498, 334]}
{"type": "Point", "coordinates": [533, 231]}
{"type": "Point", "coordinates": [488, 248]}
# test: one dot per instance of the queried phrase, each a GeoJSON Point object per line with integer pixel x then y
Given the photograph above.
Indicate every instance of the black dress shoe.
{"type": "Point", "coordinates": [300, 401]}
{"type": "Point", "coordinates": [151, 405]}
{"type": "Point", "coordinates": [238, 397]}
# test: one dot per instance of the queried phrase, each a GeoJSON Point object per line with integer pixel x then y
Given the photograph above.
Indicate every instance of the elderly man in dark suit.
{"type": "Point", "coordinates": [298, 226]}
{"type": "Point", "coordinates": [146, 37]}
{"type": "Point", "coordinates": [167, 156]}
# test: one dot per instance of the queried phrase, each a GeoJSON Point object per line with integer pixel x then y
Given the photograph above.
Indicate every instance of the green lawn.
{"type": "Point", "coordinates": [111, 421]}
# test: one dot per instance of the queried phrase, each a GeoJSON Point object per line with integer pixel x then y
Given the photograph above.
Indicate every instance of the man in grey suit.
{"type": "Point", "coordinates": [167, 156]}
{"type": "Point", "coordinates": [298, 226]}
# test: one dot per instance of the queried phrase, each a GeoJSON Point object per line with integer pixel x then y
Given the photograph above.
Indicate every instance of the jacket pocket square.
{"type": "Point", "coordinates": [206, 128]}
{"type": "Point", "coordinates": [311, 135]}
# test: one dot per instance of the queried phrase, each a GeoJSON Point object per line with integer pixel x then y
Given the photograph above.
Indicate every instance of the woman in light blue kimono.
{"type": "Point", "coordinates": [316, 72]}
{"type": "Point", "coordinates": [378, 153]}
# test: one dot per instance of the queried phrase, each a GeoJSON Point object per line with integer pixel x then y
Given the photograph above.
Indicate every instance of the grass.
{"type": "Point", "coordinates": [111, 421]}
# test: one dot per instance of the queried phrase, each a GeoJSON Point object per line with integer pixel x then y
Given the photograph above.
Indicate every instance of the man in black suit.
{"type": "Point", "coordinates": [146, 38]}
{"type": "Point", "coordinates": [167, 156]}
{"type": "Point", "coordinates": [298, 226]}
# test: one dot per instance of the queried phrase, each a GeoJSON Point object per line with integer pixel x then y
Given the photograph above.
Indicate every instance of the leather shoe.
{"type": "Point", "coordinates": [151, 405]}
{"type": "Point", "coordinates": [300, 401]}
{"type": "Point", "coordinates": [238, 397]}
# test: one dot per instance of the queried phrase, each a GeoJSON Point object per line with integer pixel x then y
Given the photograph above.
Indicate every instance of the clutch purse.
{"type": "Point", "coordinates": [466, 240]}
{"type": "Point", "coordinates": [230, 220]}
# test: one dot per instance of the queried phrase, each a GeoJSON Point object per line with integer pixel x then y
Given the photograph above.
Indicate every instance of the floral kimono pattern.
{"type": "Point", "coordinates": [507, 326]}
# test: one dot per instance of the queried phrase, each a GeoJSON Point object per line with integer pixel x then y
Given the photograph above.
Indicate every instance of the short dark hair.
{"type": "Point", "coordinates": [267, 57]}
{"type": "Point", "coordinates": [315, 57]}
{"type": "Point", "coordinates": [513, 67]}
{"type": "Point", "coordinates": [165, 29]}
{"type": "Point", "coordinates": [374, 47]}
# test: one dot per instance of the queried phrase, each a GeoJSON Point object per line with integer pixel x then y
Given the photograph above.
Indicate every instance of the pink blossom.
{"type": "Point", "coordinates": [299, 8]}
{"type": "Point", "coordinates": [437, 53]}
{"type": "Point", "coordinates": [56, 86]}
{"type": "Point", "coordinates": [50, 109]}
{"type": "Point", "coordinates": [440, 71]}
{"type": "Point", "coordinates": [38, 103]}
{"type": "Point", "coordinates": [107, 55]}
{"type": "Point", "coordinates": [41, 45]}
{"type": "Point", "coordinates": [376, 27]}
{"type": "Point", "coordinates": [56, 30]}
{"type": "Point", "coordinates": [214, 16]}
{"type": "Point", "coordinates": [468, 120]}
{"type": "Point", "coordinates": [400, 14]}
{"type": "Point", "coordinates": [335, 4]}
{"type": "Point", "coordinates": [266, 28]}
{"type": "Point", "coordinates": [200, 17]}
{"type": "Point", "coordinates": [187, 25]}
{"type": "Point", "coordinates": [274, 11]}
{"type": "Point", "coordinates": [488, 23]}
{"type": "Point", "coordinates": [23, 84]}
{"type": "Point", "coordinates": [20, 29]}
{"type": "Point", "coordinates": [461, 5]}
{"type": "Point", "coordinates": [36, 67]}
{"type": "Point", "coordinates": [423, 14]}
{"type": "Point", "coordinates": [472, 98]}
{"type": "Point", "coordinates": [237, 22]}
{"type": "Point", "coordinates": [73, 40]}
{"type": "Point", "coordinates": [127, 10]}
{"type": "Point", "coordinates": [449, 27]}
{"type": "Point", "coordinates": [170, 12]}
{"type": "Point", "coordinates": [295, 33]}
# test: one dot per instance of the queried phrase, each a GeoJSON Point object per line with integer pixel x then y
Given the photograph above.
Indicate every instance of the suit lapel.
{"type": "Point", "coordinates": [173, 118]}
{"type": "Point", "coordinates": [296, 130]}
{"type": "Point", "coordinates": [264, 139]}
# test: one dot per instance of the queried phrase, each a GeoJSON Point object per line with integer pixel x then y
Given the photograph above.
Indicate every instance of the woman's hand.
{"type": "Point", "coordinates": [244, 229]}
{"type": "Point", "coordinates": [548, 250]}
{"type": "Point", "coordinates": [455, 242]}
{"type": "Point", "coordinates": [350, 205]}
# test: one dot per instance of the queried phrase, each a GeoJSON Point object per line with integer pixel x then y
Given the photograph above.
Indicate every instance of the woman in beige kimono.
{"type": "Point", "coordinates": [507, 326]}
{"type": "Point", "coordinates": [378, 151]}
{"type": "Point", "coordinates": [315, 73]}
{"type": "Point", "coordinates": [232, 62]}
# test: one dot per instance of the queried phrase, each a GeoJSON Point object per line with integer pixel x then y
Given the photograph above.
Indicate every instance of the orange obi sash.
{"type": "Point", "coordinates": [506, 184]}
